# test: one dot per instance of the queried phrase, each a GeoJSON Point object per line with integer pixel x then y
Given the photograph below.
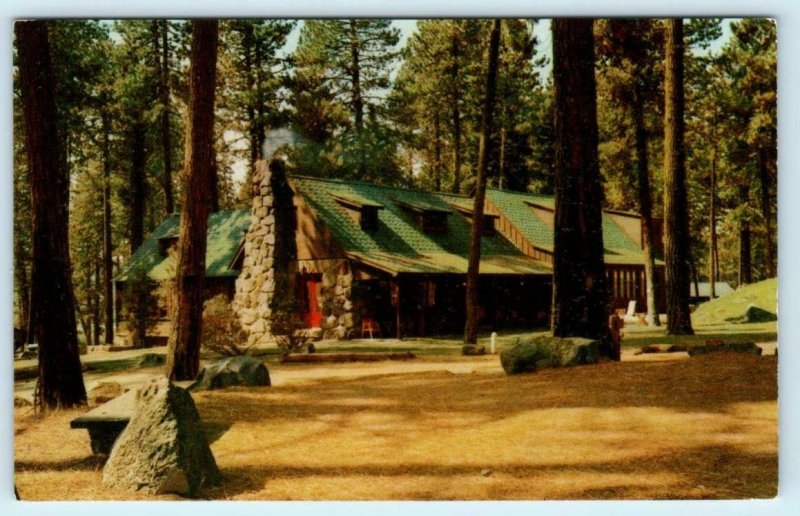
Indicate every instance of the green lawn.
{"type": "Point", "coordinates": [763, 295]}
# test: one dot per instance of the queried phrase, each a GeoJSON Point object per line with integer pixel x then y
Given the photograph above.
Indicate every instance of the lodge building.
{"type": "Point", "coordinates": [393, 257]}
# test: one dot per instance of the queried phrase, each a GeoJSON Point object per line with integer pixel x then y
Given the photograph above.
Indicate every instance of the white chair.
{"type": "Point", "coordinates": [630, 315]}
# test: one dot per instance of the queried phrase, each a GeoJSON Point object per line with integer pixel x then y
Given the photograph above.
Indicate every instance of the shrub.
{"type": "Point", "coordinates": [142, 306]}
{"type": "Point", "coordinates": [288, 329]}
{"type": "Point", "coordinates": [222, 331]}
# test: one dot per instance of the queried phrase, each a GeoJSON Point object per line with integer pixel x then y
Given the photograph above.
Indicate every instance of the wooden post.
{"type": "Point", "coordinates": [396, 287]}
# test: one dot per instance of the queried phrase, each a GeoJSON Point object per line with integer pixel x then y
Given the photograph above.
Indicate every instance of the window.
{"type": "Point", "coordinates": [369, 218]}
{"type": "Point", "coordinates": [165, 244]}
{"type": "Point", "coordinates": [362, 210]}
{"type": "Point", "coordinates": [428, 217]}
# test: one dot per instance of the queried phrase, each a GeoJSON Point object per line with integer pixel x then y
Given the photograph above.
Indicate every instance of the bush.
{"type": "Point", "coordinates": [289, 331]}
{"type": "Point", "coordinates": [222, 331]}
{"type": "Point", "coordinates": [142, 305]}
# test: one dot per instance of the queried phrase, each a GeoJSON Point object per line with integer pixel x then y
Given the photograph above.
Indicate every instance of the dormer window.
{"type": "Point", "coordinates": [488, 219]}
{"type": "Point", "coordinates": [428, 217]}
{"type": "Point", "coordinates": [363, 210]}
{"type": "Point", "coordinates": [165, 244]}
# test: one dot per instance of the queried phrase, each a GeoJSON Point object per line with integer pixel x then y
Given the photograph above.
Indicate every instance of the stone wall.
{"type": "Point", "coordinates": [336, 299]}
{"type": "Point", "coordinates": [255, 285]}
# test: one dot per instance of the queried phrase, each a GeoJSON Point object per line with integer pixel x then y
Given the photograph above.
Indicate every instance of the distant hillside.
{"type": "Point", "coordinates": [734, 307]}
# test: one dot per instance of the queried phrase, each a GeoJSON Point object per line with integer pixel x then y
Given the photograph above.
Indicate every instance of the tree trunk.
{"type": "Point", "coordinates": [676, 215]}
{"type": "Point", "coordinates": [22, 284]}
{"type": "Point", "coordinates": [745, 260]}
{"type": "Point", "coordinates": [455, 55]}
{"type": "Point", "coordinates": [248, 36]}
{"type": "Point", "coordinates": [358, 100]}
{"type": "Point", "coordinates": [60, 381]}
{"type": "Point", "coordinates": [713, 273]}
{"type": "Point", "coordinates": [580, 293]}
{"type": "Point", "coordinates": [501, 162]}
{"type": "Point", "coordinates": [645, 205]}
{"type": "Point", "coordinates": [183, 351]}
{"type": "Point", "coordinates": [108, 264]}
{"type": "Point", "coordinates": [96, 304]}
{"type": "Point", "coordinates": [484, 152]}
{"type": "Point", "coordinates": [437, 152]}
{"type": "Point", "coordinates": [766, 213]}
{"type": "Point", "coordinates": [137, 184]}
{"type": "Point", "coordinates": [166, 142]}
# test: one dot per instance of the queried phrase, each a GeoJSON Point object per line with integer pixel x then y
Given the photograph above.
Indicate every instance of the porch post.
{"type": "Point", "coordinates": [397, 309]}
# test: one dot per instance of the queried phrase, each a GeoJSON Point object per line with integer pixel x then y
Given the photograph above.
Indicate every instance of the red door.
{"type": "Point", "coordinates": [311, 314]}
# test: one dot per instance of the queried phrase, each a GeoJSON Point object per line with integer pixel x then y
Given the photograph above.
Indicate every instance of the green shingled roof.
{"type": "Point", "coordinates": [538, 230]}
{"type": "Point", "coordinates": [398, 245]}
{"type": "Point", "coordinates": [226, 231]}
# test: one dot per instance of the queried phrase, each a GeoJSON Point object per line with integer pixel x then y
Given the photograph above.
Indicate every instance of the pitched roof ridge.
{"type": "Point", "coordinates": [365, 183]}
{"type": "Point", "coordinates": [522, 194]}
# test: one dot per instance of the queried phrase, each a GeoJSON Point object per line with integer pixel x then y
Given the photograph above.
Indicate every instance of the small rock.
{"type": "Point", "coordinates": [470, 350]}
{"type": "Point", "coordinates": [103, 392]}
{"type": "Point", "coordinates": [486, 472]}
{"type": "Point", "coordinates": [151, 360]}
{"type": "Point", "coordinates": [22, 402]}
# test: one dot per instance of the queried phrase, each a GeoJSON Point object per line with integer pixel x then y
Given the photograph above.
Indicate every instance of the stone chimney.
{"type": "Point", "coordinates": [258, 283]}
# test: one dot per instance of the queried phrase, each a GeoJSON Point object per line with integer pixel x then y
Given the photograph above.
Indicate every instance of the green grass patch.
{"type": "Point", "coordinates": [727, 332]}
{"type": "Point", "coordinates": [762, 295]}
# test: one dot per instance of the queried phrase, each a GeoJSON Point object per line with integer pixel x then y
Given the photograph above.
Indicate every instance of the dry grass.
{"type": "Point", "coordinates": [699, 428]}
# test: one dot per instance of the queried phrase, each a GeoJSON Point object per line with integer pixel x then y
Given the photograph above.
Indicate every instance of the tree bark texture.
{"type": "Point", "coordinates": [455, 55]}
{"type": "Point", "coordinates": [60, 383]}
{"type": "Point", "coordinates": [676, 214]}
{"type": "Point", "coordinates": [713, 264]}
{"type": "Point", "coordinates": [645, 205]}
{"type": "Point", "coordinates": [484, 151]}
{"type": "Point", "coordinates": [166, 141]}
{"type": "Point", "coordinates": [745, 253]}
{"type": "Point", "coordinates": [437, 152]}
{"type": "Point", "coordinates": [766, 213]}
{"type": "Point", "coordinates": [108, 264]}
{"type": "Point", "coordinates": [183, 352]}
{"type": "Point", "coordinates": [137, 183]}
{"type": "Point", "coordinates": [580, 294]}
{"type": "Point", "coordinates": [358, 100]}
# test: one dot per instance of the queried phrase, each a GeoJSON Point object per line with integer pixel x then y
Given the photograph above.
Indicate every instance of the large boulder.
{"type": "Point", "coordinates": [226, 372]}
{"type": "Point", "coordinates": [748, 348]}
{"type": "Point", "coordinates": [534, 353]}
{"type": "Point", "coordinates": [753, 314]}
{"type": "Point", "coordinates": [163, 449]}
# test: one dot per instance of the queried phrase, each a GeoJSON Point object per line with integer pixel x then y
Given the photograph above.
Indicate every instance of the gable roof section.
{"type": "Point", "coordinates": [532, 215]}
{"type": "Point", "coordinates": [226, 232]}
{"type": "Point", "coordinates": [398, 245]}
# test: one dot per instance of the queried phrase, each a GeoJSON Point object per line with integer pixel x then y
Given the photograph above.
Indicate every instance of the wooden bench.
{"type": "Point", "coordinates": [107, 421]}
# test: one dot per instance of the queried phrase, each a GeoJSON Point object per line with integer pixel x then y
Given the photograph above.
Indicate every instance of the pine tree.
{"type": "Point", "coordinates": [580, 295]}
{"type": "Point", "coordinates": [484, 153]}
{"type": "Point", "coordinates": [183, 349]}
{"type": "Point", "coordinates": [350, 61]}
{"type": "Point", "coordinates": [676, 223]}
{"type": "Point", "coordinates": [60, 381]}
{"type": "Point", "coordinates": [630, 49]}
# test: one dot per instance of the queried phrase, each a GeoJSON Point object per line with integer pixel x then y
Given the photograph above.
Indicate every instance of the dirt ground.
{"type": "Point", "coordinates": [459, 428]}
